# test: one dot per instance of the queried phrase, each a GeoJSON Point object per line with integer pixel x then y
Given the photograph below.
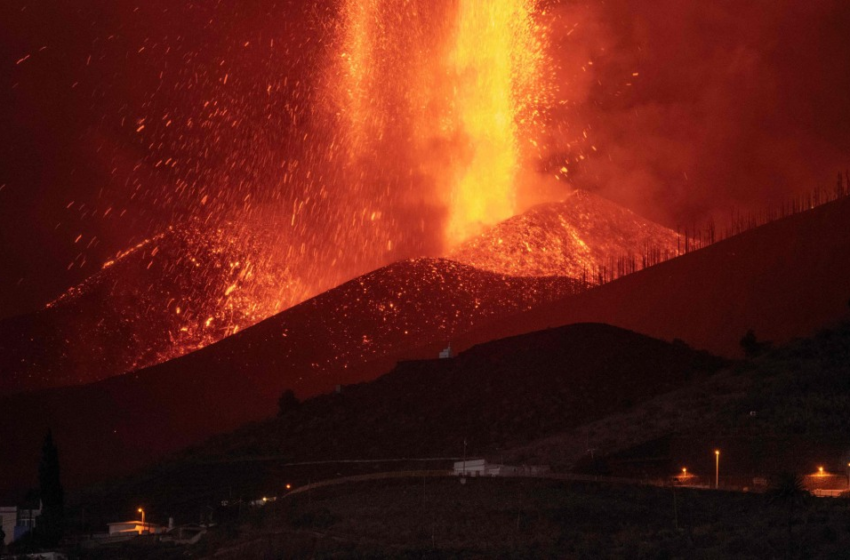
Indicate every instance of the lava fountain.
{"type": "Point", "coordinates": [496, 62]}
{"type": "Point", "coordinates": [440, 101]}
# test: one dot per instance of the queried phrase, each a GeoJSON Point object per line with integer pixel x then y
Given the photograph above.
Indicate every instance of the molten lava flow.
{"type": "Point", "coordinates": [435, 98]}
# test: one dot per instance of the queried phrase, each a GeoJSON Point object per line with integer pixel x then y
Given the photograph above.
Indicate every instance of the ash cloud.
{"type": "Point", "coordinates": [735, 105]}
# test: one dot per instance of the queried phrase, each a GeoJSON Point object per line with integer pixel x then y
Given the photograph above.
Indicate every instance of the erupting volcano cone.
{"type": "Point", "coordinates": [575, 238]}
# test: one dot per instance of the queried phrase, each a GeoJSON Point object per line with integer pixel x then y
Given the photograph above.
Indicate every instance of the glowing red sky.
{"type": "Point", "coordinates": [121, 118]}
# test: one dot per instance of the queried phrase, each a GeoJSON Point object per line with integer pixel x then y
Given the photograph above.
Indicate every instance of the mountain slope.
{"type": "Point", "coordinates": [492, 394]}
{"type": "Point", "coordinates": [348, 334]}
{"type": "Point", "coordinates": [785, 410]}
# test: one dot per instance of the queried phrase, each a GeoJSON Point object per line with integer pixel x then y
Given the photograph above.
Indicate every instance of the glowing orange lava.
{"type": "Point", "coordinates": [445, 92]}
{"type": "Point", "coordinates": [496, 61]}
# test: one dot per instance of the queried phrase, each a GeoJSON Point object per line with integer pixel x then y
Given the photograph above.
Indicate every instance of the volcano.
{"type": "Point", "coordinates": [167, 296]}
{"type": "Point", "coordinates": [194, 285]}
{"type": "Point", "coordinates": [574, 237]}
{"type": "Point", "coordinates": [784, 279]}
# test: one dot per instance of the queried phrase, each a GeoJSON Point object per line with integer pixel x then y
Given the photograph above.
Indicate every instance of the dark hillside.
{"type": "Point", "coordinates": [786, 410]}
{"type": "Point", "coordinates": [494, 395]}
{"type": "Point", "coordinates": [784, 280]}
{"type": "Point", "coordinates": [349, 334]}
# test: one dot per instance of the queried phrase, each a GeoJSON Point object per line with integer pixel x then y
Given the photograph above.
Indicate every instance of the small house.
{"type": "Point", "coordinates": [17, 521]}
{"type": "Point", "coordinates": [8, 521]}
{"type": "Point", "coordinates": [480, 467]}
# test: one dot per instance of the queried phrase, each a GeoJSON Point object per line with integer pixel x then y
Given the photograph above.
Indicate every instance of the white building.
{"type": "Point", "coordinates": [471, 467]}
{"type": "Point", "coordinates": [447, 352]}
{"type": "Point", "coordinates": [18, 521]}
{"type": "Point", "coordinates": [480, 467]}
{"type": "Point", "coordinates": [8, 520]}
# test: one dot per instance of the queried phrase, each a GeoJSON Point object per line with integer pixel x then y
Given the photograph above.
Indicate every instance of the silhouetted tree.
{"type": "Point", "coordinates": [788, 491]}
{"type": "Point", "coordinates": [50, 523]}
{"type": "Point", "coordinates": [751, 345]}
{"type": "Point", "coordinates": [287, 403]}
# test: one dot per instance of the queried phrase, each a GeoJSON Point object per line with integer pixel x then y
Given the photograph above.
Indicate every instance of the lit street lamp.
{"type": "Point", "coordinates": [143, 519]}
{"type": "Point", "coordinates": [716, 469]}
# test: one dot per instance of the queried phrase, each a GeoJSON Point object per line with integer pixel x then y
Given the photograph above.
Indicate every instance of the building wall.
{"type": "Point", "coordinates": [134, 527]}
{"type": "Point", "coordinates": [472, 467]}
{"type": "Point", "coordinates": [8, 519]}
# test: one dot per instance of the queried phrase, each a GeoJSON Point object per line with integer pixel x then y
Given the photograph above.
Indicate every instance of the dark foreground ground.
{"type": "Point", "coordinates": [520, 518]}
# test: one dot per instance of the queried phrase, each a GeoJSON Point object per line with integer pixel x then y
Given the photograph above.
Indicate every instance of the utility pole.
{"type": "Point", "coordinates": [716, 469]}
{"type": "Point", "coordinates": [464, 456]}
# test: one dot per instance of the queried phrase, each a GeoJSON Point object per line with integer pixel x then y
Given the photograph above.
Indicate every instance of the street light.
{"type": "Point", "coordinates": [820, 471]}
{"type": "Point", "coordinates": [716, 469]}
{"type": "Point", "coordinates": [143, 519]}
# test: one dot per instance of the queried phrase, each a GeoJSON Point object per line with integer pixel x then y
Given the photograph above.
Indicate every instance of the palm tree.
{"type": "Point", "coordinates": [788, 491]}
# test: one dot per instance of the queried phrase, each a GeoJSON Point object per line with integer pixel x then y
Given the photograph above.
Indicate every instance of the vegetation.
{"type": "Point", "coordinates": [287, 403]}
{"type": "Point", "coordinates": [50, 524]}
{"type": "Point", "coordinates": [752, 346]}
{"type": "Point", "coordinates": [788, 492]}
{"type": "Point", "coordinates": [695, 237]}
